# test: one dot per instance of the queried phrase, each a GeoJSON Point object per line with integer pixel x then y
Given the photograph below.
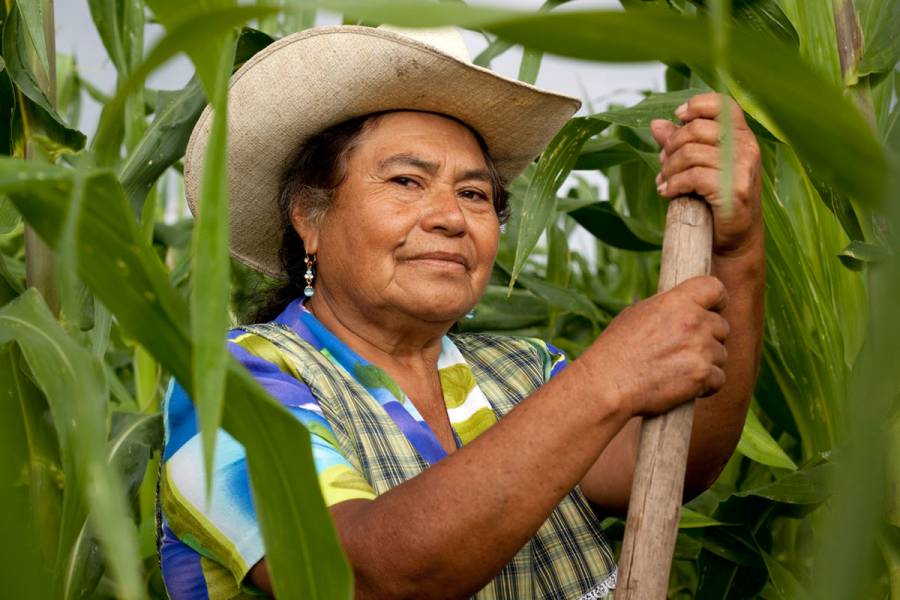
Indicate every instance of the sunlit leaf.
{"type": "Point", "coordinates": [757, 444]}
{"type": "Point", "coordinates": [691, 519]}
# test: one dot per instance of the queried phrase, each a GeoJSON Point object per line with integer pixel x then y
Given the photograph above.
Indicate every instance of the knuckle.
{"type": "Point", "coordinates": [701, 371]}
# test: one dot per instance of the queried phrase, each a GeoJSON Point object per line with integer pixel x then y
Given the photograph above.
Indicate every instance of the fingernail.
{"type": "Point", "coordinates": [662, 156]}
{"type": "Point", "coordinates": [661, 188]}
{"type": "Point", "coordinates": [681, 111]}
{"type": "Point", "coordinates": [658, 179]}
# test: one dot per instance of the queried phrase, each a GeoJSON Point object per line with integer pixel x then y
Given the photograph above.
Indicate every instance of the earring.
{"type": "Point", "coordinates": [310, 261]}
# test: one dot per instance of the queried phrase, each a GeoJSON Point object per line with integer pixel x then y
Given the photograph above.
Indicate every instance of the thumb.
{"type": "Point", "coordinates": [661, 130]}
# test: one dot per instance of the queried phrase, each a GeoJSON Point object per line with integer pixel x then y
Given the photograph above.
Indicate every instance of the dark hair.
{"type": "Point", "coordinates": [312, 179]}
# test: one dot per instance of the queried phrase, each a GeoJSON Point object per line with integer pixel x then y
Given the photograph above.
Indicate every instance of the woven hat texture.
{"type": "Point", "coordinates": [311, 80]}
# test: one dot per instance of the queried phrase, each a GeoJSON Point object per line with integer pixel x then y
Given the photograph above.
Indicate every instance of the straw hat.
{"type": "Point", "coordinates": [311, 80]}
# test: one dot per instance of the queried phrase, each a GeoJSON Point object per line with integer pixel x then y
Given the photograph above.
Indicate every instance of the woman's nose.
{"type": "Point", "coordinates": [444, 214]}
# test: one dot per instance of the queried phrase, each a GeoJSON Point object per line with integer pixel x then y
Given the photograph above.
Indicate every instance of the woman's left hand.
{"type": "Point", "coordinates": [692, 163]}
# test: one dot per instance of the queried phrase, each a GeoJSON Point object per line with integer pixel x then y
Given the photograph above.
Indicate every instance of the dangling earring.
{"type": "Point", "coordinates": [310, 261]}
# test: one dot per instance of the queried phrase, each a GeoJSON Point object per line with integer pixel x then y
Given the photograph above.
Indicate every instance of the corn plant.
{"type": "Point", "coordinates": [102, 299]}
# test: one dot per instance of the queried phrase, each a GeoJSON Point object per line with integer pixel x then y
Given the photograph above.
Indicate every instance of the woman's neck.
{"type": "Point", "coordinates": [386, 338]}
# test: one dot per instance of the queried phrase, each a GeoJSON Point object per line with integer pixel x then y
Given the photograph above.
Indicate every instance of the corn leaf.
{"type": "Point", "coordinates": [619, 231]}
{"type": "Point", "coordinates": [881, 22]}
{"type": "Point", "coordinates": [757, 444]}
{"type": "Point", "coordinates": [41, 111]}
{"type": "Point", "coordinates": [32, 17]}
{"type": "Point", "coordinates": [187, 35]}
{"type": "Point", "coordinates": [807, 108]}
{"type": "Point", "coordinates": [166, 139]}
{"type": "Point", "coordinates": [539, 204]}
{"type": "Point", "coordinates": [119, 266]}
{"type": "Point", "coordinates": [75, 385]}
{"type": "Point", "coordinates": [105, 14]}
{"type": "Point", "coordinates": [26, 573]}
{"type": "Point", "coordinates": [691, 519]}
{"type": "Point", "coordinates": [809, 485]}
{"type": "Point", "coordinates": [127, 452]}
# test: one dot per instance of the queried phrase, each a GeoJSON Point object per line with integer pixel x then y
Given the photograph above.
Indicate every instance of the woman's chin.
{"type": "Point", "coordinates": [436, 310]}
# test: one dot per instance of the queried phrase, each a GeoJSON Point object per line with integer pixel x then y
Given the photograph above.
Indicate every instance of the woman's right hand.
{"type": "Point", "coordinates": [665, 350]}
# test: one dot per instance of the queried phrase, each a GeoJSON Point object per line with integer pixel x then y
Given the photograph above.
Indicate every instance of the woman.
{"type": "Point", "coordinates": [462, 465]}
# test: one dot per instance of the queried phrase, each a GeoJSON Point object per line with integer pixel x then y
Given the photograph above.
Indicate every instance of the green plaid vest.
{"type": "Point", "coordinates": [568, 557]}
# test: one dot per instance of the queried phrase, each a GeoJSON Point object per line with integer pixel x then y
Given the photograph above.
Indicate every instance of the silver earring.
{"type": "Point", "coordinates": [471, 314]}
{"type": "Point", "coordinates": [310, 261]}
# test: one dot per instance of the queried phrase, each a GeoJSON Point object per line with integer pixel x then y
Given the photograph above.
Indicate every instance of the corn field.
{"type": "Point", "coordinates": [103, 299]}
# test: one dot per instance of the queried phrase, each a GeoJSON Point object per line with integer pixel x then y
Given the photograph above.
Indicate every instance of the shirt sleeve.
{"type": "Point", "coordinates": [223, 527]}
{"type": "Point", "coordinates": [554, 359]}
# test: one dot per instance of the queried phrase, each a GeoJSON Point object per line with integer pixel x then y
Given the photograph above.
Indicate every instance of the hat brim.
{"type": "Point", "coordinates": [280, 98]}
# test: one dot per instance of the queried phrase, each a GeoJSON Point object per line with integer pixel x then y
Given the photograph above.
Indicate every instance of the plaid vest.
{"type": "Point", "coordinates": [568, 557]}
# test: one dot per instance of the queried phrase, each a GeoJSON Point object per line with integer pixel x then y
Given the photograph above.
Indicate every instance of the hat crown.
{"type": "Point", "coordinates": [448, 40]}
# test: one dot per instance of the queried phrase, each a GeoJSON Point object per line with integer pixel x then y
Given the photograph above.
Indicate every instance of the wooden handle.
{"type": "Point", "coordinates": [656, 492]}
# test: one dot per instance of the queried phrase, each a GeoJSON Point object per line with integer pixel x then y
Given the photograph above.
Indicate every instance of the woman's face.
{"type": "Point", "coordinates": [412, 229]}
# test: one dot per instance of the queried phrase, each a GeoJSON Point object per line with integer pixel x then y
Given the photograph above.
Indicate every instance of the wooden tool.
{"type": "Point", "coordinates": [656, 492]}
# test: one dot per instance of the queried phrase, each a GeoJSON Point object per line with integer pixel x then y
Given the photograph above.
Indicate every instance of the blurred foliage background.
{"type": "Point", "coordinates": [102, 299]}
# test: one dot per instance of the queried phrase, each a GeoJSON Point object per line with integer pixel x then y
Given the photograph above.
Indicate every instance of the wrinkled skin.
{"type": "Point", "coordinates": [385, 292]}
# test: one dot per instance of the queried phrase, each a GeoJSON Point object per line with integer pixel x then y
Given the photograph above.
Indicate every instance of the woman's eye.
{"type": "Point", "coordinates": [404, 181]}
{"type": "Point", "coordinates": [474, 195]}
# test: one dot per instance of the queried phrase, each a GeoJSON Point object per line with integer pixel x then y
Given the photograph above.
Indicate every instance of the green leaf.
{"type": "Point", "coordinates": [609, 152]}
{"type": "Point", "coordinates": [655, 106]}
{"type": "Point", "coordinates": [691, 519]}
{"type": "Point", "coordinates": [539, 204]}
{"type": "Point", "coordinates": [166, 139]}
{"type": "Point", "coordinates": [188, 35]}
{"type": "Point", "coordinates": [74, 382]}
{"type": "Point", "coordinates": [119, 266]}
{"type": "Point", "coordinates": [809, 485]}
{"type": "Point", "coordinates": [531, 64]}
{"type": "Point", "coordinates": [857, 254]}
{"type": "Point", "coordinates": [497, 311]}
{"type": "Point", "coordinates": [766, 16]}
{"type": "Point", "coordinates": [41, 111]}
{"type": "Point", "coordinates": [881, 22]}
{"type": "Point", "coordinates": [27, 573]}
{"type": "Point", "coordinates": [809, 110]}
{"type": "Point", "coordinates": [40, 463]}
{"type": "Point", "coordinates": [559, 259]}
{"type": "Point", "coordinates": [31, 13]}
{"type": "Point", "coordinates": [619, 231]}
{"type": "Point", "coordinates": [128, 452]}
{"type": "Point", "coordinates": [7, 110]}
{"type": "Point", "coordinates": [783, 581]}
{"type": "Point", "coordinates": [106, 14]}
{"type": "Point", "coordinates": [211, 272]}
{"type": "Point", "coordinates": [9, 216]}
{"type": "Point", "coordinates": [563, 298]}
{"type": "Point", "coordinates": [757, 444]}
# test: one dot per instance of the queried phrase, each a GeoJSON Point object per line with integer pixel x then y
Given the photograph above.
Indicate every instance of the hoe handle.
{"type": "Point", "coordinates": [656, 492]}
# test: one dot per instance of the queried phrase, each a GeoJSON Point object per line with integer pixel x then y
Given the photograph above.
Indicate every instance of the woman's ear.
{"type": "Point", "coordinates": [308, 232]}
